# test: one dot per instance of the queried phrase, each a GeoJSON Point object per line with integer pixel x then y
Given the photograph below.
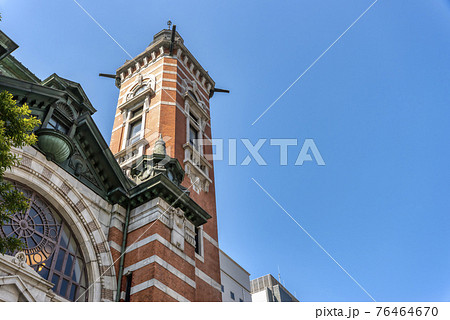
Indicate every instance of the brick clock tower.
{"type": "Point", "coordinates": [166, 238]}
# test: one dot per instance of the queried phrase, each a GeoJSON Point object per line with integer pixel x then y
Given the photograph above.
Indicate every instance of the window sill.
{"type": "Point", "coordinates": [199, 257]}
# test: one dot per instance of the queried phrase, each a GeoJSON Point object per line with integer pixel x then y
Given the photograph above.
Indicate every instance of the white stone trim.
{"type": "Point", "coordinates": [66, 203]}
{"type": "Point", "coordinates": [125, 89]}
{"type": "Point", "coordinates": [170, 64]}
{"type": "Point", "coordinates": [199, 273]}
{"type": "Point", "coordinates": [119, 127]}
{"type": "Point", "coordinates": [160, 286]}
{"type": "Point", "coordinates": [116, 221]}
{"type": "Point", "coordinates": [16, 273]}
{"type": "Point", "coordinates": [16, 281]}
{"type": "Point", "coordinates": [163, 264]}
{"type": "Point", "coordinates": [144, 72]}
{"type": "Point", "coordinates": [115, 246]}
{"type": "Point", "coordinates": [147, 213]}
{"type": "Point", "coordinates": [199, 257]}
{"type": "Point", "coordinates": [170, 80]}
{"type": "Point", "coordinates": [195, 79]}
{"type": "Point", "coordinates": [157, 237]}
{"type": "Point", "coordinates": [167, 103]}
{"type": "Point", "coordinates": [179, 107]}
{"type": "Point", "coordinates": [155, 60]}
{"type": "Point", "coordinates": [169, 88]}
{"type": "Point", "coordinates": [210, 239]}
{"type": "Point", "coordinates": [170, 72]}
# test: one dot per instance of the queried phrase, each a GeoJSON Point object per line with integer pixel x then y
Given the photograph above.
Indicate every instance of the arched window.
{"type": "Point", "coordinates": [140, 90]}
{"type": "Point", "coordinates": [51, 247]}
{"type": "Point", "coordinates": [193, 95]}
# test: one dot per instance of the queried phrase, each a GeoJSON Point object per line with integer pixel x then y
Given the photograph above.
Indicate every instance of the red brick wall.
{"type": "Point", "coordinates": [168, 120]}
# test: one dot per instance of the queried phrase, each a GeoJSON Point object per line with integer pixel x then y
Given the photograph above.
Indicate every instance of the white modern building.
{"type": "Point", "coordinates": [268, 289]}
{"type": "Point", "coordinates": [235, 280]}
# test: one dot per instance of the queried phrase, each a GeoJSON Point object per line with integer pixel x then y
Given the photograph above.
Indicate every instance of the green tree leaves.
{"type": "Point", "coordinates": [16, 125]}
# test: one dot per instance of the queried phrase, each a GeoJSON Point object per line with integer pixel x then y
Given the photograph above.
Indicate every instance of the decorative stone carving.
{"type": "Point", "coordinates": [142, 84]}
{"type": "Point", "coordinates": [177, 233]}
{"type": "Point", "coordinates": [188, 85]}
{"type": "Point", "coordinates": [189, 233]}
{"type": "Point", "coordinates": [160, 146]}
{"type": "Point", "coordinates": [20, 283]}
{"type": "Point", "coordinates": [203, 106]}
{"type": "Point", "coordinates": [158, 163]}
{"type": "Point", "coordinates": [195, 182]}
{"type": "Point", "coordinates": [181, 228]}
{"type": "Point", "coordinates": [81, 169]}
{"type": "Point", "coordinates": [66, 110]}
{"type": "Point", "coordinates": [20, 259]}
{"type": "Point", "coordinates": [153, 168]}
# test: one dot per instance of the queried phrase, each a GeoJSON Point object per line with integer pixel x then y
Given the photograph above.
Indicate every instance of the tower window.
{"type": "Point", "coordinates": [136, 113]}
{"type": "Point", "coordinates": [140, 90]}
{"type": "Point", "coordinates": [135, 131]}
{"type": "Point", "coordinates": [193, 137]}
{"type": "Point", "coordinates": [193, 95]}
{"type": "Point", "coordinates": [198, 241]}
{"type": "Point", "coordinates": [194, 118]}
{"type": "Point", "coordinates": [232, 295]}
{"type": "Point", "coordinates": [135, 125]}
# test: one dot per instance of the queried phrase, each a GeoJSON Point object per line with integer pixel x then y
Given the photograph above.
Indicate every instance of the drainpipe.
{"type": "Point", "coordinates": [122, 251]}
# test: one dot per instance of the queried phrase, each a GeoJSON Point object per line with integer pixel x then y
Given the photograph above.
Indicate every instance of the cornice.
{"type": "Point", "coordinates": [31, 87]}
{"type": "Point", "coordinates": [154, 51]}
{"type": "Point", "coordinates": [161, 186]}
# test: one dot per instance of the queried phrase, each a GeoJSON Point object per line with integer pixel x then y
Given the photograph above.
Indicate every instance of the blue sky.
{"type": "Point", "coordinates": [376, 105]}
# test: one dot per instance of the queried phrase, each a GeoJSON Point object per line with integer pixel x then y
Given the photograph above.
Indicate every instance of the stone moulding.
{"type": "Point", "coordinates": [158, 49]}
{"type": "Point", "coordinates": [73, 208]}
{"type": "Point", "coordinates": [161, 186]}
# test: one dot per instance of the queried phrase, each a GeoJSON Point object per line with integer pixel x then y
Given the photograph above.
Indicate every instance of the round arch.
{"type": "Point", "coordinates": [44, 179]}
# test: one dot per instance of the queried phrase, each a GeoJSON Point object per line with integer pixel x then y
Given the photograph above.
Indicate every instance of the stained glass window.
{"type": "Point", "coordinates": [51, 247]}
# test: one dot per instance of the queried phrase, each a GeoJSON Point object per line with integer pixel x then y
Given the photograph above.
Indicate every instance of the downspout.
{"type": "Point", "coordinates": [122, 252]}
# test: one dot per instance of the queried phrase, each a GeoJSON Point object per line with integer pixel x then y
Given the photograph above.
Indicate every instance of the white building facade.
{"type": "Point", "coordinates": [235, 280]}
{"type": "Point", "coordinates": [268, 289]}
